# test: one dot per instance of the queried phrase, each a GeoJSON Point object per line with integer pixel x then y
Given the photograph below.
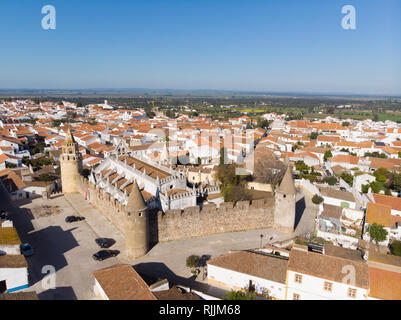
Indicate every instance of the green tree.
{"type": "Point", "coordinates": [365, 188]}
{"type": "Point", "coordinates": [316, 199]}
{"type": "Point", "coordinates": [348, 178]}
{"type": "Point", "coordinates": [396, 185]}
{"type": "Point", "coordinates": [239, 295]}
{"type": "Point", "coordinates": [313, 135]}
{"type": "Point", "coordinates": [327, 155]}
{"type": "Point", "coordinates": [233, 186]}
{"type": "Point", "coordinates": [223, 156]}
{"type": "Point", "coordinates": [377, 186]}
{"type": "Point", "coordinates": [302, 167]}
{"type": "Point", "coordinates": [345, 124]}
{"type": "Point", "coordinates": [395, 248]}
{"type": "Point", "coordinates": [331, 180]}
{"type": "Point", "coordinates": [377, 233]}
{"type": "Point", "coordinates": [193, 261]}
{"type": "Point", "coordinates": [263, 123]}
{"type": "Point", "coordinates": [381, 172]}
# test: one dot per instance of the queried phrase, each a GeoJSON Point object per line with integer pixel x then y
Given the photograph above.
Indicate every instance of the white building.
{"type": "Point", "coordinates": [241, 270]}
{"type": "Point", "coordinates": [13, 272]}
{"type": "Point", "coordinates": [335, 274]}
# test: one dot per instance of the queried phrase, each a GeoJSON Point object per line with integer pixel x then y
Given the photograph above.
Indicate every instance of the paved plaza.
{"type": "Point", "coordinates": [69, 247]}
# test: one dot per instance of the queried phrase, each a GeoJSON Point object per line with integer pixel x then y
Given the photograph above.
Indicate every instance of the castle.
{"type": "Point", "coordinates": [115, 189]}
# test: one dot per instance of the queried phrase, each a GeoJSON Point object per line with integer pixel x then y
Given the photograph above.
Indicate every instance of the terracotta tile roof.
{"type": "Point", "coordinates": [327, 266]}
{"type": "Point", "coordinates": [337, 194]}
{"type": "Point", "coordinates": [345, 159]}
{"type": "Point", "coordinates": [393, 202]}
{"type": "Point", "coordinates": [30, 295]}
{"type": "Point", "coordinates": [255, 264]}
{"type": "Point", "coordinates": [13, 261]}
{"type": "Point", "coordinates": [385, 284]}
{"type": "Point", "coordinates": [175, 294]}
{"type": "Point", "coordinates": [378, 213]}
{"type": "Point", "coordinates": [11, 180]}
{"type": "Point", "coordinates": [331, 211]}
{"type": "Point", "coordinates": [122, 282]}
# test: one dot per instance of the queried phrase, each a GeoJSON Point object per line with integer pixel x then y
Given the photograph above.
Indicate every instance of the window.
{"type": "Point", "coordinates": [298, 278]}
{"type": "Point", "coordinates": [328, 286]}
{"type": "Point", "coordinates": [295, 296]}
{"type": "Point", "coordinates": [351, 292]}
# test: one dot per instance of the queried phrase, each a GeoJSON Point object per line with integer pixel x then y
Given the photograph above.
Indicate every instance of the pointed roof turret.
{"type": "Point", "coordinates": [135, 200]}
{"type": "Point", "coordinates": [287, 185]}
{"type": "Point", "coordinates": [69, 137]}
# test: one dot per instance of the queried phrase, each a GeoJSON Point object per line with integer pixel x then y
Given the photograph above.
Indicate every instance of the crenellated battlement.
{"type": "Point", "coordinates": [193, 221]}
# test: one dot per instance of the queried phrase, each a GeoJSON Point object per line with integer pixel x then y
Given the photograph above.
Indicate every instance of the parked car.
{"type": "Point", "coordinates": [343, 189]}
{"type": "Point", "coordinates": [26, 249]}
{"type": "Point", "coordinates": [70, 219]}
{"type": "Point", "coordinates": [4, 215]}
{"type": "Point", "coordinates": [105, 254]}
{"type": "Point", "coordinates": [104, 242]}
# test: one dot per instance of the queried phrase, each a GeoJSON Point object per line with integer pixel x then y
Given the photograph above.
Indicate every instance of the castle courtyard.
{"type": "Point", "coordinates": [69, 246]}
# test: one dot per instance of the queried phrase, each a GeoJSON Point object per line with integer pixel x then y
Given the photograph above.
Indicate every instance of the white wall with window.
{"type": "Point", "coordinates": [307, 287]}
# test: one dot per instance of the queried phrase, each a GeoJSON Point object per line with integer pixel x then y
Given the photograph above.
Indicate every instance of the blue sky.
{"type": "Point", "coordinates": [269, 45]}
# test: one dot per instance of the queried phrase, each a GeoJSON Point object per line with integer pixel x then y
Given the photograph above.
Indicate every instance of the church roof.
{"type": "Point", "coordinates": [135, 200]}
{"type": "Point", "coordinates": [287, 185]}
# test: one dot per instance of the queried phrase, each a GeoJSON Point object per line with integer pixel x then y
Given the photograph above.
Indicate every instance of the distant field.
{"type": "Point", "coordinates": [252, 110]}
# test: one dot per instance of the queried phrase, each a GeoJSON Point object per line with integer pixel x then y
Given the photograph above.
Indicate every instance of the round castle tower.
{"type": "Point", "coordinates": [284, 210]}
{"type": "Point", "coordinates": [136, 226]}
{"type": "Point", "coordinates": [70, 164]}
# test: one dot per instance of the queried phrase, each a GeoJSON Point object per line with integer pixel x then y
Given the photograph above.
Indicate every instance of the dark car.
{"type": "Point", "coordinates": [104, 242]}
{"type": "Point", "coordinates": [26, 249]}
{"type": "Point", "coordinates": [105, 254]}
{"type": "Point", "coordinates": [70, 219]}
{"type": "Point", "coordinates": [343, 189]}
{"type": "Point", "coordinates": [4, 216]}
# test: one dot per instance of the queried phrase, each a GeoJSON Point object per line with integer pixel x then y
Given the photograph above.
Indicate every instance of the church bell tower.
{"type": "Point", "coordinates": [70, 164]}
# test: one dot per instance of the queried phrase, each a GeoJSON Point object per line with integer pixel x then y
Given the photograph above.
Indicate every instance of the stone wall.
{"type": "Point", "coordinates": [191, 222]}
{"type": "Point", "coordinates": [109, 207]}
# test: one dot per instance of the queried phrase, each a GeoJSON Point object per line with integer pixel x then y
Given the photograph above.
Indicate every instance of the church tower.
{"type": "Point", "coordinates": [70, 164]}
{"type": "Point", "coordinates": [284, 210]}
{"type": "Point", "coordinates": [136, 225]}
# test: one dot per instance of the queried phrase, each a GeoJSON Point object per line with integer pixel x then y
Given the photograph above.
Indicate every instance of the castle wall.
{"type": "Point", "coordinates": [109, 207]}
{"type": "Point", "coordinates": [191, 222]}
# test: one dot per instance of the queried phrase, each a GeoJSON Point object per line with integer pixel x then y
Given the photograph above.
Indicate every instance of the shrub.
{"type": "Point", "coordinates": [396, 248]}
{"type": "Point", "coordinates": [331, 180]}
{"type": "Point", "coordinates": [193, 261]}
{"type": "Point", "coordinates": [316, 199]}
{"type": "Point", "coordinates": [239, 295]}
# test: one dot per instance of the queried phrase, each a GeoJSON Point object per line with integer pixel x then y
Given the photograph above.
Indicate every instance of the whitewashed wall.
{"type": "Point", "coordinates": [15, 277]}
{"type": "Point", "coordinates": [311, 288]}
{"type": "Point", "coordinates": [240, 280]}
